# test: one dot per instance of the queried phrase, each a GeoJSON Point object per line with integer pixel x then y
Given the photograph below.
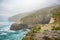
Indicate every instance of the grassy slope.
{"type": "Point", "coordinates": [38, 29]}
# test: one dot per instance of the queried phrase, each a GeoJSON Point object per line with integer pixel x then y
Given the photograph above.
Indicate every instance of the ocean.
{"type": "Point", "coordinates": [6, 33]}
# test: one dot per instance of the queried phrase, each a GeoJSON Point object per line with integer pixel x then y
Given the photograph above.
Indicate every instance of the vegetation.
{"type": "Point", "coordinates": [47, 38]}
{"type": "Point", "coordinates": [56, 28]}
{"type": "Point", "coordinates": [36, 29]}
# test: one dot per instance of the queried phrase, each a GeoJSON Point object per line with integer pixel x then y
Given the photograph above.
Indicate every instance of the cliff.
{"type": "Point", "coordinates": [50, 31]}
{"type": "Point", "coordinates": [42, 16]}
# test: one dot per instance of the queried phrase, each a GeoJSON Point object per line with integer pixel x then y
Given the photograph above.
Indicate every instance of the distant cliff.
{"type": "Point", "coordinates": [37, 17]}
{"type": "Point", "coordinates": [17, 17]}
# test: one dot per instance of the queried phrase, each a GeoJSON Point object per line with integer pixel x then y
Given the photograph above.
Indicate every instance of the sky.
{"type": "Point", "coordinates": [13, 7]}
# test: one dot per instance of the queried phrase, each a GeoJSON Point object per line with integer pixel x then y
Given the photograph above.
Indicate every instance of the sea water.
{"type": "Point", "coordinates": [6, 33]}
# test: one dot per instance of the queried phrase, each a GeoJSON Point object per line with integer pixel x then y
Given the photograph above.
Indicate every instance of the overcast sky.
{"type": "Point", "coordinates": [12, 7]}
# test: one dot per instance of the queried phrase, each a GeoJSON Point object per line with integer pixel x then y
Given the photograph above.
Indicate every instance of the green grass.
{"type": "Point", "coordinates": [57, 28]}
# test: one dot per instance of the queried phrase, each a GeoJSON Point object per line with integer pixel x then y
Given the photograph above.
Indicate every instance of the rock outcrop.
{"type": "Point", "coordinates": [18, 27]}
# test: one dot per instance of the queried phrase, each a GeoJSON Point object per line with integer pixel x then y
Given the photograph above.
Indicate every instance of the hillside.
{"type": "Point", "coordinates": [50, 31]}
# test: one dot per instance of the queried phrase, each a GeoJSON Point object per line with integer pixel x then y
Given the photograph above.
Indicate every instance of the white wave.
{"type": "Point", "coordinates": [3, 34]}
